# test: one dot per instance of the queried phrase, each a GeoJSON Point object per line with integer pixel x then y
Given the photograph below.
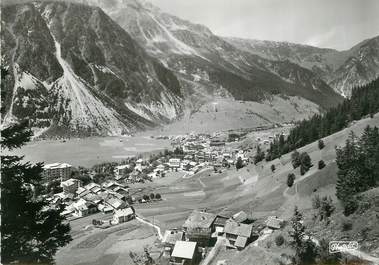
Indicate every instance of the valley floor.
{"type": "Point", "coordinates": [254, 189]}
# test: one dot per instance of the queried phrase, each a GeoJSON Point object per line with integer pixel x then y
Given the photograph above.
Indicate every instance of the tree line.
{"type": "Point", "coordinates": [358, 167]}
{"type": "Point", "coordinates": [364, 101]}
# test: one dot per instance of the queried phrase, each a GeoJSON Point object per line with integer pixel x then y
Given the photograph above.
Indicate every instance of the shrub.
{"type": "Point", "coordinates": [305, 163]}
{"type": "Point", "coordinates": [321, 164]}
{"type": "Point", "coordinates": [279, 240]}
{"type": "Point", "coordinates": [273, 168]}
{"type": "Point", "coordinates": [158, 196]}
{"type": "Point", "coordinates": [321, 144]}
{"type": "Point", "coordinates": [326, 208]}
{"type": "Point", "coordinates": [152, 196]}
{"type": "Point", "coordinates": [295, 156]}
{"type": "Point", "coordinates": [316, 202]}
{"type": "Point", "coordinates": [350, 206]}
{"type": "Point", "coordinates": [290, 179]}
{"type": "Point", "coordinates": [347, 225]}
{"type": "Point", "coordinates": [239, 163]}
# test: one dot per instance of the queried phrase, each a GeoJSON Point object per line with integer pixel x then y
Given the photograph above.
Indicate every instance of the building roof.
{"type": "Point", "coordinates": [56, 166]}
{"type": "Point", "coordinates": [123, 212]}
{"type": "Point", "coordinates": [240, 217]}
{"type": "Point", "coordinates": [220, 220]}
{"type": "Point", "coordinates": [274, 222]}
{"type": "Point", "coordinates": [122, 167]}
{"type": "Point", "coordinates": [80, 190]}
{"type": "Point", "coordinates": [92, 198]}
{"type": "Point", "coordinates": [69, 182]}
{"type": "Point", "coordinates": [81, 204]}
{"type": "Point", "coordinates": [199, 219]}
{"type": "Point", "coordinates": [109, 184]}
{"type": "Point", "coordinates": [234, 228]}
{"type": "Point", "coordinates": [241, 241]}
{"type": "Point", "coordinates": [91, 186]}
{"type": "Point", "coordinates": [170, 236]}
{"type": "Point", "coordinates": [184, 249]}
{"type": "Point", "coordinates": [115, 203]}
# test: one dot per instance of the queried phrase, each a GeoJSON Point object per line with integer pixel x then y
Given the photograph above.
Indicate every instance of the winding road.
{"type": "Point", "coordinates": [159, 232]}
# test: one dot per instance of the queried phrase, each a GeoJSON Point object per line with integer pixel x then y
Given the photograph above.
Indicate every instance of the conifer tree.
{"type": "Point", "coordinates": [31, 232]}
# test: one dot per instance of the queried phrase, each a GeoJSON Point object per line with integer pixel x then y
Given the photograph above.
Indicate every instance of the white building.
{"type": "Point", "coordinates": [174, 163]}
{"type": "Point", "coordinates": [70, 185]}
{"type": "Point", "coordinates": [123, 215]}
{"type": "Point", "coordinates": [120, 171]}
{"type": "Point", "coordinates": [57, 171]}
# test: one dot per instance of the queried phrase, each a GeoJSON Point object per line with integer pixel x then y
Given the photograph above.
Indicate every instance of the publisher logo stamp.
{"type": "Point", "coordinates": [342, 246]}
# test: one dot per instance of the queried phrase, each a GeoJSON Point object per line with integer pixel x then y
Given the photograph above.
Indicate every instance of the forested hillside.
{"type": "Point", "coordinates": [364, 101]}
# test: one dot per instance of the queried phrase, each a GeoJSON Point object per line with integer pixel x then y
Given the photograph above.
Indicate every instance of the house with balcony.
{"type": "Point", "coordinates": [57, 171]}
{"type": "Point", "coordinates": [239, 235]}
{"type": "Point", "coordinates": [199, 227]}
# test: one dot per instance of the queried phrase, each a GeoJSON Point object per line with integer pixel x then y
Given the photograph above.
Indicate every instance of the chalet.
{"type": "Point", "coordinates": [70, 185]}
{"type": "Point", "coordinates": [199, 227]}
{"type": "Point", "coordinates": [139, 165]}
{"type": "Point", "coordinates": [123, 215]}
{"type": "Point", "coordinates": [238, 234]}
{"type": "Point", "coordinates": [161, 168]}
{"type": "Point", "coordinates": [174, 163]}
{"type": "Point", "coordinates": [219, 224]}
{"type": "Point", "coordinates": [121, 171]}
{"type": "Point", "coordinates": [111, 185]}
{"type": "Point", "coordinates": [80, 208]}
{"type": "Point", "coordinates": [158, 173]}
{"type": "Point", "coordinates": [185, 253]}
{"type": "Point", "coordinates": [64, 197]}
{"type": "Point", "coordinates": [105, 208]}
{"type": "Point", "coordinates": [169, 239]}
{"type": "Point", "coordinates": [274, 222]}
{"type": "Point", "coordinates": [96, 199]}
{"type": "Point", "coordinates": [115, 203]}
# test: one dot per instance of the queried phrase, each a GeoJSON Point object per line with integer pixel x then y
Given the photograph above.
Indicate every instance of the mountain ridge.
{"type": "Point", "coordinates": [91, 70]}
{"type": "Point", "coordinates": [340, 69]}
{"type": "Point", "coordinates": [187, 64]}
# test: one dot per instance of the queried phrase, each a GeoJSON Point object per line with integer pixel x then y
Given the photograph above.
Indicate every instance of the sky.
{"type": "Point", "coordinates": [338, 24]}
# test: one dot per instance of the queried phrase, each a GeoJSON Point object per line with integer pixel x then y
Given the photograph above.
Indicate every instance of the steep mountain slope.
{"type": "Point", "coordinates": [214, 65]}
{"type": "Point", "coordinates": [342, 70]}
{"type": "Point", "coordinates": [74, 69]}
{"type": "Point", "coordinates": [360, 67]}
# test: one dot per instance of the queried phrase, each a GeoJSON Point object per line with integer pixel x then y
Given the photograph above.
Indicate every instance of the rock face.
{"type": "Point", "coordinates": [118, 66]}
{"type": "Point", "coordinates": [207, 64]}
{"type": "Point", "coordinates": [342, 70]}
{"type": "Point", "coordinates": [74, 70]}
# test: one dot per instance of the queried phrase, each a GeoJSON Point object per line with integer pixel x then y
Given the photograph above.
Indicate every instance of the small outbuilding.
{"type": "Point", "coordinates": [185, 253]}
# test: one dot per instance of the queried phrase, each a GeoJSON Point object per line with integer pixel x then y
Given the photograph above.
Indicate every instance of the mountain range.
{"type": "Point", "coordinates": [110, 67]}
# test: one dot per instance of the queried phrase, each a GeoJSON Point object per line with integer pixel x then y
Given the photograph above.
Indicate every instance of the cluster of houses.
{"type": "Point", "coordinates": [201, 230]}
{"type": "Point", "coordinates": [197, 151]}
{"type": "Point", "coordinates": [201, 150]}
{"type": "Point", "coordinates": [80, 201]}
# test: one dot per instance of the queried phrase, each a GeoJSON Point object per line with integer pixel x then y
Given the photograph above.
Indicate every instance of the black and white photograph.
{"type": "Point", "coordinates": [189, 132]}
